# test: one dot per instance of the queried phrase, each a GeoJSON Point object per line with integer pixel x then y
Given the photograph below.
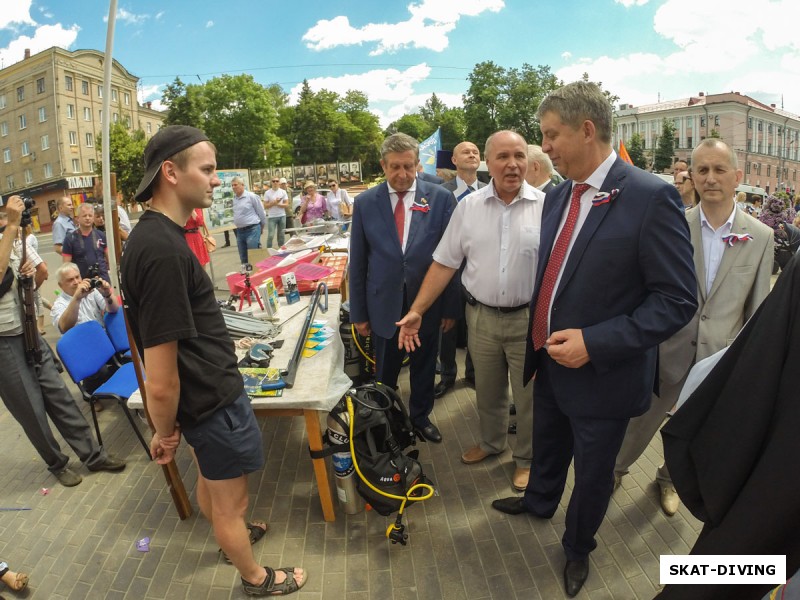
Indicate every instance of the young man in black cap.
{"type": "Point", "coordinates": [193, 384]}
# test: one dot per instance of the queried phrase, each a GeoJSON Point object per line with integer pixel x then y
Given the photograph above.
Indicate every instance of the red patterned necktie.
{"type": "Point", "coordinates": [400, 216]}
{"type": "Point", "coordinates": [553, 268]}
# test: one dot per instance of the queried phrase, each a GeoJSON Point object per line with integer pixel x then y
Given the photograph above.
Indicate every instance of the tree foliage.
{"type": "Point", "coordinates": [237, 114]}
{"type": "Point", "coordinates": [126, 149]}
{"type": "Point", "coordinates": [635, 147]}
{"type": "Point", "coordinates": [666, 147]}
{"type": "Point", "coordinates": [432, 115]}
{"type": "Point", "coordinates": [500, 98]}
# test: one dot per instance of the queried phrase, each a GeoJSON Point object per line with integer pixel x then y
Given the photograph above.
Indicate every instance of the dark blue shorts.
{"type": "Point", "coordinates": [228, 444]}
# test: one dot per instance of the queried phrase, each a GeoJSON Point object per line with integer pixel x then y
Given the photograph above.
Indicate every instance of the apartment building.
{"type": "Point", "coordinates": [50, 120]}
{"type": "Point", "coordinates": [766, 138]}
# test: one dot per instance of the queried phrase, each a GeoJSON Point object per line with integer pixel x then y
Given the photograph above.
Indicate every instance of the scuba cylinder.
{"type": "Point", "coordinates": [358, 359]}
{"type": "Point", "coordinates": [349, 499]}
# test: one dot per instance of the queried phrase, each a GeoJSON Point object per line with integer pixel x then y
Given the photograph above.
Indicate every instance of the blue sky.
{"type": "Point", "coordinates": [401, 52]}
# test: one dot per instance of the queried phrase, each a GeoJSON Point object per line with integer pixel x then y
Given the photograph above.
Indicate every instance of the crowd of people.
{"type": "Point", "coordinates": [584, 305]}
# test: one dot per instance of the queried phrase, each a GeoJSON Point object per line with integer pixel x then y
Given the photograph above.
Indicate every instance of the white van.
{"type": "Point", "coordinates": [752, 192]}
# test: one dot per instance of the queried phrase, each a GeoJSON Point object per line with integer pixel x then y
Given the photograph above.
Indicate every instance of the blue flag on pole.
{"type": "Point", "coordinates": [427, 152]}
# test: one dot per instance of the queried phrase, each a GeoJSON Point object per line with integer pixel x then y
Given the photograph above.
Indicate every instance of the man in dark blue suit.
{"type": "Point", "coordinates": [396, 227]}
{"type": "Point", "coordinates": [615, 278]}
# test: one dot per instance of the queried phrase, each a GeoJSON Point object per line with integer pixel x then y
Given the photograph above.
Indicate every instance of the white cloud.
{"type": "Point", "coordinates": [719, 46]}
{"type": "Point", "coordinates": [391, 92]}
{"type": "Point", "coordinates": [629, 3]}
{"type": "Point", "coordinates": [566, 55]}
{"type": "Point", "coordinates": [129, 18]}
{"type": "Point", "coordinates": [16, 12]}
{"type": "Point", "coordinates": [152, 93]}
{"type": "Point", "coordinates": [209, 24]}
{"type": "Point", "coordinates": [44, 37]}
{"type": "Point", "coordinates": [431, 22]}
{"type": "Point", "coordinates": [159, 14]}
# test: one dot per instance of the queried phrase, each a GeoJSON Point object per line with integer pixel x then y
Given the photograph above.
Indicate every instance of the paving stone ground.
{"type": "Point", "coordinates": [80, 543]}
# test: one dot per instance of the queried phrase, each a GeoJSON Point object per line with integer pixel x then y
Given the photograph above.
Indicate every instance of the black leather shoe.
{"type": "Point", "coordinates": [441, 388]}
{"type": "Point", "coordinates": [512, 429]}
{"type": "Point", "coordinates": [511, 506]}
{"type": "Point", "coordinates": [575, 574]}
{"type": "Point", "coordinates": [430, 433]}
{"type": "Point", "coordinates": [470, 381]}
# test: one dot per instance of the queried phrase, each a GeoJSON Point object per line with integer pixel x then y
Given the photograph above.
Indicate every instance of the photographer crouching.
{"type": "Point", "coordinates": [31, 388]}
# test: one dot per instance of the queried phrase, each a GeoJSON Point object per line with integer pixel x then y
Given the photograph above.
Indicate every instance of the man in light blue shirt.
{"type": "Point", "coordinates": [248, 217]}
{"type": "Point", "coordinates": [64, 224]}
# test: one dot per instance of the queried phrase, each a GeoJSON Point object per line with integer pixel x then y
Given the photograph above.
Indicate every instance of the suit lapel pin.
{"type": "Point", "coordinates": [421, 206]}
{"type": "Point", "coordinates": [733, 238]}
{"type": "Point", "coordinates": [604, 197]}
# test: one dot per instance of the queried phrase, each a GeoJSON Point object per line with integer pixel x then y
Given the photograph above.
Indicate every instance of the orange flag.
{"type": "Point", "coordinates": [623, 153]}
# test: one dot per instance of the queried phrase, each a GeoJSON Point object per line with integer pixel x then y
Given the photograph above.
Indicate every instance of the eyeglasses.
{"type": "Point", "coordinates": [274, 181]}
{"type": "Point", "coordinates": [333, 184]}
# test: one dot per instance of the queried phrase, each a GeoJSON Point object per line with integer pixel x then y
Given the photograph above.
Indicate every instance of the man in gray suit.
{"type": "Point", "coordinates": [466, 158]}
{"type": "Point", "coordinates": [733, 255]}
{"type": "Point", "coordinates": [540, 169]}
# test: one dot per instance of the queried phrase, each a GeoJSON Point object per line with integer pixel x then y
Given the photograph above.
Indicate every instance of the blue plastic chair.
{"type": "Point", "coordinates": [118, 334]}
{"type": "Point", "coordinates": [84, 350]}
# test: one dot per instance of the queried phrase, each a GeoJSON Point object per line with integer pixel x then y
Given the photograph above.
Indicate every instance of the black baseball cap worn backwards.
{"type": "Point", "coordinates": [167, 142]}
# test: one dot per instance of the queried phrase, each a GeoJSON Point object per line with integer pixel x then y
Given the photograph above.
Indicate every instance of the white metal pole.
{"type": "Point", "coordinates": [109, 203]}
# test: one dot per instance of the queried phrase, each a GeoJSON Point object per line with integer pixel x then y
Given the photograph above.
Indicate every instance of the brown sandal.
{"type": "Point", "coordinates": [15, 581]}
{"type": "Point", "coordinates": [270, 588]}
{"type": "Point", "coordinates": [257, 530]}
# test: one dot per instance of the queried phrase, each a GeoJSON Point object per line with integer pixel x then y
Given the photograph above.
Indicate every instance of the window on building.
{"type": "Point", "coordinates": [70, 111]}
{"type": "Point", "coordinates": [68, 83]}
{"type": "Point", "coordinates": [749, 122]}
{"type": "Point", "coordinates": [115, 117]}
{"type": "Point", "coordinates": [45, 139]}
{"type": "Point", "coordinates": [716, 120]}
{"type": "Point", "coordinates": [26, 149]}
{"type": "Point", "coordinates": [127, 122]}
{"type": "Point", "coordinates": [21, 93]}
{"type": "Point", "coordinates": [28, 176]}
{"type": "Point", "coordinates": [6, 155]}
{"type": "Point", "coordinates": [126, 97]}
{"type": "Point", "coordinates": [769, 170]}
{"type": "Point", "coordinates": [92, 165]}
{"type": "Point", "coordinates": [114, 95]}
{"type": "Point", "coordinates": [149, 128]}
{"type": "Point", "coordinates": [689, 141]}
{"type": "Point", "coordinates": [749, 145]}
{"type": "Point", "coordinates": [100, 116]}
{"type": "Point", "coordinates": [40, 85]}
{"type": "Point", "coordinates": [89, 140]}
{"type": "Point", "coordinates": [42, 114]}
{"type": "Point", "coordinates": [760, 126]}
{"type": "Point", "coordinates": [23, 122]}
{"type": "Point", "coordinates": [769, 128]}
{"type": "Point", "coordinates": [99, 91]}
{"type": "Point", "coordinates": [702, 121]}
{"type": "Point", "coordinates": [4, 128]}
{"type": "Point", "coordinates": [85, 87]}
{"type": "Point", "coordinates": [747, 169]}
{"type": "Point", "coordinates": [2, 101]}
{"type": "Point", "coordinates": [48, 170]}
{"type": "Point", "coordinates": [76, 165]}
{"type": "Point", "coordinates": [794, 174]}
{"type": "Point", "coordinates": [10, 182]}
{"type": "Point", "coordinates": [73, 138]}
{"type": "Point", "coordinates": [769, 148]}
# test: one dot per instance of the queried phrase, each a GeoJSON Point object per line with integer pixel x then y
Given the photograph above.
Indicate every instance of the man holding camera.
{"type": "Point", "coordinates": [32, 392]}
{"type": "Point", "coordinates": [81, 300]}
{"type": "Point", "coordinates": [86, 246]}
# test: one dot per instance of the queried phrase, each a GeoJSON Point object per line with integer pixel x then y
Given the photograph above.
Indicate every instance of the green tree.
{"type": "Point", "coordinates": [483, 100]}
{"type": "Point", "coordinates": [715, 134]}
{"type": "Point", "coordinates": [525, 88]}
{"type": "Point", "coordinates": [185, 105]}
{"type": "Point", "coordinates": [412, 124]}
{"type": "Point", "coordinates": [126, 149]}
{"type": "Point", "coordinates": [666, 147]}
{"type": "Point", "coordinates": [635, 148]}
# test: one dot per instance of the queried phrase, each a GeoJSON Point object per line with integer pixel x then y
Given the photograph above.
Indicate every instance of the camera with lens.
{"type": "Point", "coordinates": [93, 275]}
{"type": "Point", "coordinates": [26, 218]}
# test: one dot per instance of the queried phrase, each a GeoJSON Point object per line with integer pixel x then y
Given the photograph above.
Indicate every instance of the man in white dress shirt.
{"type": "Point", "coordinates": [496, 229]}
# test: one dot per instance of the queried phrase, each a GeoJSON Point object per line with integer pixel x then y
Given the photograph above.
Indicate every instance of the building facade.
{"type": "Point", "coordinates": [766, 139]}
{"type": "Point", "coordinates": [50, 122]}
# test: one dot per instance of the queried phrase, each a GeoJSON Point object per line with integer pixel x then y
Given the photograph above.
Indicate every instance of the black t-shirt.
{"type": "Point", "coordinates": [169, 297]}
